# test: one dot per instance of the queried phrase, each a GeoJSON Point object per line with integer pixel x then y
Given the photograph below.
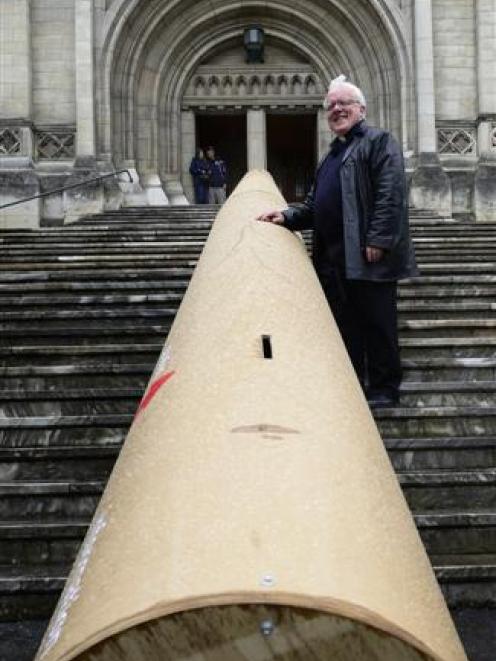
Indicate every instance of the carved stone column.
{"type": "Point", "coordinates": [85, 83]}
{"type": "Point", "coordinates": [256, 139]}
{"type": "Point", "coordinates": [431, 188]}
{"type": "Point", "coordinates": [188, 146]}
{"type": "Point", "coordinates": [17, 177]}
{"type": "Point", "coordinates": [15, 62]}
{"type": "Point", "coordinates": [485, 177]}
{"type": "Point", "coordinates": [324, 135]}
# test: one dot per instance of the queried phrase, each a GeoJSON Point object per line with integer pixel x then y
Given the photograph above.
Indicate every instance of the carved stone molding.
{"type": "Point", "coordinates": [241, 87]}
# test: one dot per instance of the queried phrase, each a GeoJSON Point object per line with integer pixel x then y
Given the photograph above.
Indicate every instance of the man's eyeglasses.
{"type": "Point", "coordinates": [341, 104]}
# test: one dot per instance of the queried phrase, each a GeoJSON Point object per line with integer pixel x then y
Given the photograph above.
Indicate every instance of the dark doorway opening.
{"type": "Point", "coordinates": [227, 133]}
{"type": "Point", "coordinates": [292, 152]}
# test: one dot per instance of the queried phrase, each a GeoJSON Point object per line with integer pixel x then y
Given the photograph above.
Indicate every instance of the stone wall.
{"type": "Point", "coordinates": [15, 66]}
{"type": "Point", "coordinates": [455, 63]}
{"type": "Point", "coordinates": [53, 62]}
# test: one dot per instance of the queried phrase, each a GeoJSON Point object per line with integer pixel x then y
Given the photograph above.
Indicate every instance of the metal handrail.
{"type": "Point", "coordinates": [64, 188]}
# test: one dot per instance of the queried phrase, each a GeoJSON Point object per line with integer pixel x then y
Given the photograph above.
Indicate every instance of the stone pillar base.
{"type": "Point", "coordinates": [133, 193]}
{"type": "Point", "coordinates": [17, 185]}
{"type": "Point", "coordinates": [430, 186]}
{"type": "Point", "coordinates": [84, 200]}
{"type": "Point", "coordinates": [155, 194]}
{"type": "Point", "coordinates": [174, 190]}
{"type": "Point", "coordinates": [485, 189]}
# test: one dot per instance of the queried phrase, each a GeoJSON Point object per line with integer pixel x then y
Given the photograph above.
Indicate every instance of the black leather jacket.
{"type": "Point", "coordinates": [375, 209]}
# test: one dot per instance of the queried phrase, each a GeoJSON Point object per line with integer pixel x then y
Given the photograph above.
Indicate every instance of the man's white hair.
{"type": "Point", "coordinates": [341, 81]}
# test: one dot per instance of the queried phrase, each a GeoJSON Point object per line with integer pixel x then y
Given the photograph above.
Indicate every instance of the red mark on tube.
{"type": "Point", "coordinates": [152, 390]}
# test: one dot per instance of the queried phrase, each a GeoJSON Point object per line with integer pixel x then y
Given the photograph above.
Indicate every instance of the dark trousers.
{"type": "Point", "coordinates": [201, 191]}
{"type": "Point", "coordinates": [366, 315]}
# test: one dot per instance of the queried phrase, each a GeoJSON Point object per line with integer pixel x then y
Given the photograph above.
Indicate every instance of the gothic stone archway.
{"type": "Point", "coordinates": [150, 55]}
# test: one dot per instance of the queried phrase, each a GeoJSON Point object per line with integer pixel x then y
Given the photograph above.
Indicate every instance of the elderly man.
{"type": "Point", "coordinates": [357, 208]}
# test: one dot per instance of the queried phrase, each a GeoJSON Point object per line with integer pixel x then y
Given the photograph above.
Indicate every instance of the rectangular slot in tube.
{"type": "Point", "coordinates": [267, 346]}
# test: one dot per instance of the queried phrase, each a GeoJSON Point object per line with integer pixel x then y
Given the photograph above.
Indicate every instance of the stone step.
{"type": "Point", "coordinates": [93, 401]}
{"type": "Point", "coordinates": [77, 263]}
{"type": "Point", "coordinates": [432, 293]}
{"type": "Point", "coordinates": [79, 334]}
{"type": "Point", "coordinates": [62, 377]}
{"type": "Point", "coordinates": [431, 421]}
{"type": "Point", "coordinates": [450, 393]}
{"type": "Point", "coordinates": [38, 502]}
{"type": "Point", "coordinates": [98, 287]}
{"type": "Point", "coordinates": [414, 305]}
{"type": "Point", "coordinates": [28, 592]}
{"type": "Point", "coordinates": [87, 250]}
{"type": "Point", "coordinates": [460, 453]}
{"type": "Point", "coordinates": [448, 347]}
{"type": "Point", "coordinates": [89, 313]}
{"type": "Point", "coordinates": [111, 283]}
{"type": "Point", "coordinates": [486, 267]}
{"type": "Point", "coordinates": [80, 463]}
{"type": "Point", "coordinates": [425, 370]}
{"type": "Point", "coordinates": [119, 259]}
{"type": "Point", "coordinates": [36, 301]}
{"type": "Point", "coordinates": [418, 306]}
{"type": "Point", "coordinates": [459, 330]}
{"type": "Point", "coordinates": [56, 541]}
{"type": "Point", "coordinates": [453, 235]}
{"type": "Point", "coordinates": [84, 406]}
{"type": "Point", "coordinates": [425, 490]}
{"type": "Point", "coordinates": [462, 353]}
{"type": "Point", "coordinates": [64, 430]}
{"type": "Point", "coordinates": [438, 280]}
{"type": "Point", "coordinates": [99, 355]}
{"type": "Point", "coordinates": [55, 460]}
{"type": "Point", "coordinates": [447, 490]}
{"type": "Point", "coordinates": [94, 275]}
{"type": "Point", "coordinates": [102, 356]}
{"type": "Point", "coordinates": [449, 369]}
{"type": "Point", "coordinates": [102, 237]}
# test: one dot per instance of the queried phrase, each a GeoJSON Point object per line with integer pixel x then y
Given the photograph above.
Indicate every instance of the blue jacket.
{"type": "Point", "coordinates": [199, 168]}
{"type": "Point", "coordinates": [218, 173]}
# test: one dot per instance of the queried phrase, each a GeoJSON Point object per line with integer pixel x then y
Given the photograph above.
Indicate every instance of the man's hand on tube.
{"type": "Point", "coordinates": [274, 216]}
{"type": "Point", "coordinates": [373, 254]}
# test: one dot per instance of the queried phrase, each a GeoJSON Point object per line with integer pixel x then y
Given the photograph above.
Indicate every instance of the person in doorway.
{"type": "Point", "coordinates": [358, 210]}
{"type": "Point", "coordinates": [200, 172]}
{"type": "Point", "coordinates": [218, 178]}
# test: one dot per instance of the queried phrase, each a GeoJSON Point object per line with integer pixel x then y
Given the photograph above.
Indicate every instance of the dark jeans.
{"type": "Point", "coordinates": [366, 315]}
{"type": "Point", "coordinates": [201, 191]}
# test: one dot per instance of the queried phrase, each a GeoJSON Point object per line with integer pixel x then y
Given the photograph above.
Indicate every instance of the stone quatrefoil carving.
{"type": "Point", "coordinates": [456, 141]}
{"type": "Point", "coordinates": [10, 142]}
{"type": "Point", "coordinates": [55, 145]}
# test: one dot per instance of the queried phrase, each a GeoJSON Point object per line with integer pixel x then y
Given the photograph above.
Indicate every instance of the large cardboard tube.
{"type": "Point", "coordinates": [253, 512]}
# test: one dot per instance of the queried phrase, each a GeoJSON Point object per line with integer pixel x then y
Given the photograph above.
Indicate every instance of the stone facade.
{"type": "Point", "coordinates": [91, 86]}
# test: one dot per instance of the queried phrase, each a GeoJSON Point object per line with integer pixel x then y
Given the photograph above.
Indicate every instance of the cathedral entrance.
{"type": "Point", "coordinates": [227, 133]}
{"type": "Point", "coordinates": [292, 152]}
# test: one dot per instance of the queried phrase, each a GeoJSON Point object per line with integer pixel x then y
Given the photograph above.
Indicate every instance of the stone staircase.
{"type": "Point", "coordinates": [84, 312]}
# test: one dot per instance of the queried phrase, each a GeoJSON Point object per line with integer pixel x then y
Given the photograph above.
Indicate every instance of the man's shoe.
{"type": "Point", "coordinates": [382, 401]}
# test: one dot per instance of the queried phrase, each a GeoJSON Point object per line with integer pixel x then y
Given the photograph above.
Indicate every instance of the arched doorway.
{"type": "Point", "coordinates": [262, 115]}
{"type": "Point", "coordinates": [153, 53]}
